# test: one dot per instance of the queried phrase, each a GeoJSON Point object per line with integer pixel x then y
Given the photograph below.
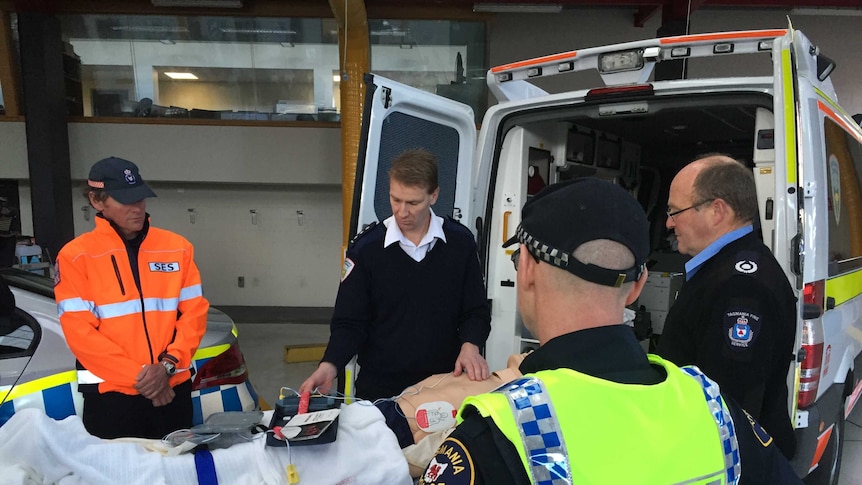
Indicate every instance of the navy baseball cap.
{"type": "Point", "coordinates": [120, 179]}
{"type": "Point", "coordinates": [565, 215]}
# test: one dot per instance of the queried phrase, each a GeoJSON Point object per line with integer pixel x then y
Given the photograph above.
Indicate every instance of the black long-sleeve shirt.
{"type": "Point", "coordinates": [735, 319]}
{"type": "Point", "coordinates": [405, 319]}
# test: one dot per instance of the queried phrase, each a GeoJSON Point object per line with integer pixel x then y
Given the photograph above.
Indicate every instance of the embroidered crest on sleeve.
{"type": "Point", "coordinates": [451, 465]}
{"type": "Point", "coordinates": [347, 268]}
{"type": "Point", "coordinates": [741, 327]}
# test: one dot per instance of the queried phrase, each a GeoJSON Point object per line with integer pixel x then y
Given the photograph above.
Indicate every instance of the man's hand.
{"type": "Point", "coordinates": [320, 379]}
{"type": "Point", "coordinates": [471, 360]}
{"type": "Point", "coordinates": [153, 383]}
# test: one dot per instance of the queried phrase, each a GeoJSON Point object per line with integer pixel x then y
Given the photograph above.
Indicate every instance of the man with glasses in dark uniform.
{"type": "Point", "coordinates": [735, 315]}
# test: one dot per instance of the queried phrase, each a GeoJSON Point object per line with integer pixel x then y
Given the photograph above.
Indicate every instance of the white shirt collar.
{"type": "Point", "coordinates": [394, 235]}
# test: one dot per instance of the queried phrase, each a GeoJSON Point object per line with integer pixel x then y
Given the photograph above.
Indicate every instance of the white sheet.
{"type": "Point", "coordinates": [35, 449]}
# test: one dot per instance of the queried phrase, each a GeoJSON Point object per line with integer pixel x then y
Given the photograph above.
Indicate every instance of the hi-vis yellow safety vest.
{"type": "Point", "coordinates": [677, 431]}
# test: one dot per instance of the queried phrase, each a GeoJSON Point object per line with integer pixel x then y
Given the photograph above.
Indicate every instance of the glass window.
{"type": "Point", "coordinates": [202, 67]}
{"type": "Point", "coordinates": [439, 56]}
{"type": "Point", "coordinates": [255, 68]}
{"type": "Point", "coordinates": [843, 170]}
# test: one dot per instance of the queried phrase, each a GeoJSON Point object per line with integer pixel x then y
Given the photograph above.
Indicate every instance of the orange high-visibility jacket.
{"type": "Point", "coordinates": [100, 305]}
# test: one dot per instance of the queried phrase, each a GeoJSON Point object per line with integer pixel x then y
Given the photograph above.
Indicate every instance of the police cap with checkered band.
{"type": "Point", "coordinates": [565, 215]}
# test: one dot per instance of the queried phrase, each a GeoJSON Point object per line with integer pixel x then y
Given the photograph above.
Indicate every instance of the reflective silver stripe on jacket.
{"type": "Point", "coordinates": [540, 431]}
{"type": "Point", "coordinates": [720, 413]}
{"type": "Point", "coordinates": [87, 377]}
{"type": "Point", "coordinates": [131, 307]}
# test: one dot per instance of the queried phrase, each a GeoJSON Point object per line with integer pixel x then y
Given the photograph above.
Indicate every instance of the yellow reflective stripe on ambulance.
{"type": "Point", "coordinates": [789, 116]}
{"type": "Point", "coordinates": [845, 287]}
{"type": "Point", "coordinates": [209, 352]}
{"type": "Point", "coordinates": [38, 385]}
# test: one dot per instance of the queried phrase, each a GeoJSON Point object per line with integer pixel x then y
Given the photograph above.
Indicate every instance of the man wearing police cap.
{"type": "Point", "coordinates": [132, 309]}
{"type": "Point", "coordinates": [592, 406]}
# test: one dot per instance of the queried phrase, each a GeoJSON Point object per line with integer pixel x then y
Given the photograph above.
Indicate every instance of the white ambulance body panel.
{"type": "Point", "coordinates": [804, 150]}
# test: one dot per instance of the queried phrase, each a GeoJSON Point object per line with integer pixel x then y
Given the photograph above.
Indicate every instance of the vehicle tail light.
{"type": "Point", "coordinates": [812, 346]}
{"type": "Point", "coordinates": [813, 293]}
{"type": "Point", "coordinates": [226, 368]}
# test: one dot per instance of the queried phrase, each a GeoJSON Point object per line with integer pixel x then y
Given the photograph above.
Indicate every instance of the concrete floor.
{"type": "Point", "coordinates": [263, 347]}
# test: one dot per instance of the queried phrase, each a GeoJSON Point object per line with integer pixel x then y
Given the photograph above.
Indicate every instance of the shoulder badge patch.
{"type": "Point", "coordinates": [347, 268]}
{"type": "Point", "coordinates": [741, 328]}
{"type": "Point", "coordinates": [762, 436]}
{"type": "Point", "coordinates": [451, 465]}
{"type": "Point", "coordinates": [746, 266]}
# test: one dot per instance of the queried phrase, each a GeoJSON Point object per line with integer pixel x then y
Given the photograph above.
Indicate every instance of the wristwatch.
{"type": "Point", "coordinates": [170, 368]}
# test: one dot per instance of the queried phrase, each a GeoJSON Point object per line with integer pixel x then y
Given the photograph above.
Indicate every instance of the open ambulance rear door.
{"type": "Point", "coordinates": [826, 254]}
{"type": "Point", "coordinates": [397, 118]}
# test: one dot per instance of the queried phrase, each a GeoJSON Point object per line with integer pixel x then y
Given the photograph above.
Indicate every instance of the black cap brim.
{"type": "Point", "coordinates": [512, 240]}
{"type": "Point", "coordinates": [132, 194]}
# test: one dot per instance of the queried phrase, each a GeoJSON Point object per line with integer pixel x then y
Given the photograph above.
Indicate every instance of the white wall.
{"type": "Point", "coordinates": [225, 171]}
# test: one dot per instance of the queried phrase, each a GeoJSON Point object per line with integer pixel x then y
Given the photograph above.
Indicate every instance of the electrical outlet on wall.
{"type": "Point", "coordinates": [240, 281]}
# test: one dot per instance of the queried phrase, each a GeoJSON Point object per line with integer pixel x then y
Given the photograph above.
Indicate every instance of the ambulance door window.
{"type": "Point", "coordinates": [844, 181]}
{"type": "Point", "coordinates": [402, 132]}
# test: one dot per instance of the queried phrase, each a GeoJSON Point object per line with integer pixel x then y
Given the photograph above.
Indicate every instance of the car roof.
{"type": "Point", "coordinates": [26, 280]}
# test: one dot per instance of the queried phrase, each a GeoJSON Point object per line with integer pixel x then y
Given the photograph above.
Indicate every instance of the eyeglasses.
{"type": "Point", "coordinates": [516, 257]}
{"type": "Point", "coordinates": [676, 213]}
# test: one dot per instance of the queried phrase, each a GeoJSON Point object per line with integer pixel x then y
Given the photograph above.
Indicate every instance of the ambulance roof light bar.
{"type": "Point", "coordinates": [632, 62]}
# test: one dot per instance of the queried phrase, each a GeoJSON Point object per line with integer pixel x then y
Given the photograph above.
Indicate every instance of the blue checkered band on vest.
{"type": "Point", "coordinates": [722, 419]}
{"type": "Point", "coordinates": [547, 253]}
{"type": "Point", "coordinates": [540, 431]}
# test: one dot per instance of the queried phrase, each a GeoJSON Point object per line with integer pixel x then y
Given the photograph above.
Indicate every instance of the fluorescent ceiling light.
{"type": "Point", "coordinates": [336, 78]}
{"type": "Point", "coordinates": [225, 30]}
{"type": "Point", "coordinates": [389, 33]}
{"type": "Point", "coordinates": [156, 29]}
{"type": "Point", "coordinates": [181, 75]}
{"type": "Point", "coordinates": [518, 7]}
{"type": "Point", "coordinates": [839, 12]}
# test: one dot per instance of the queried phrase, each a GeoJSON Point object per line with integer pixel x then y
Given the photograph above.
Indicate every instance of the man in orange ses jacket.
{"type": "Point", "coordinates": [132, 309]}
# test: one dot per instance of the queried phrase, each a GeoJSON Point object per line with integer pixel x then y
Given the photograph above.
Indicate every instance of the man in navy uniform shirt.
{"type": "Point", "coordinates": [412, 299]}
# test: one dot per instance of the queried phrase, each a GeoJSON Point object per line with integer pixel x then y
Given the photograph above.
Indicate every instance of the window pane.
{"type": "Point", "coordinates": [204, 67]}
{"type": "Point", "coordinates": [844, 168]}
{"type": "Point", "coordinates": [439, 56]}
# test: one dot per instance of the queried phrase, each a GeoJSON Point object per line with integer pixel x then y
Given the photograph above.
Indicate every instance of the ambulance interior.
{"type": "Point", "coordinates": [639, 144]}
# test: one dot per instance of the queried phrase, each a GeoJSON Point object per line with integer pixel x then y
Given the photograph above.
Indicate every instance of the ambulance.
{"type": "Point", "coordinates": [763, 97]}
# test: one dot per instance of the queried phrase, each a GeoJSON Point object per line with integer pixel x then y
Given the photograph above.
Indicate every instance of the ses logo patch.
{"type": "Point", "coordinates": [165, 267]}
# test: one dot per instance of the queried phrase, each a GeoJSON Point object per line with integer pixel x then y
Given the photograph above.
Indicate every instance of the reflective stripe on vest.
{"type": "Point", "coordinates": [540, 431]}
{"type": "Point", "coordinates": [720, 413]}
